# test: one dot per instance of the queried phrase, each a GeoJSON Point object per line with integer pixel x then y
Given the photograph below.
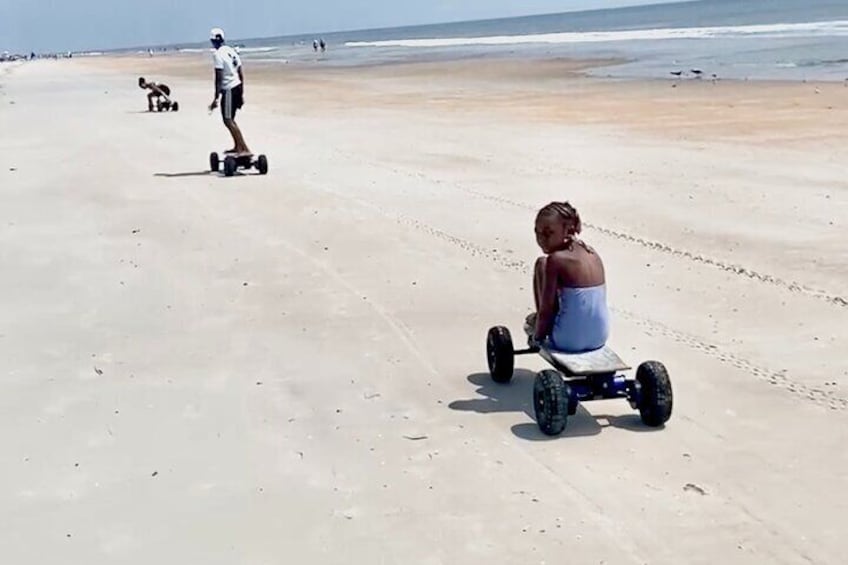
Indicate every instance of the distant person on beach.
{"type": "Point", "coordinates": [157, 91]}
{"type": "Point", "coordinates": [569, 285]}
{"type": "Point", "coordinates": [315, 45]}
{"type": "Point", "coordinates": [322, 45]}
{"type": "Point", "coordinates": [229, 87]}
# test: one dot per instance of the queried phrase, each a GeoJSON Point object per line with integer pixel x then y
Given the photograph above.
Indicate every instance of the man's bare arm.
{"type": "Point", "coordinates": [219, 83]}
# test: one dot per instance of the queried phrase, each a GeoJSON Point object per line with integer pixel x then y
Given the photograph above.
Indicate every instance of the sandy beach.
{"type": "Point", "coordinates": [291, 368]}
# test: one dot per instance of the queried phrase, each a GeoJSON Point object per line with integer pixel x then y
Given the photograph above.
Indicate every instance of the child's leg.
{"type": "Point", "coordinates": [150, 98]}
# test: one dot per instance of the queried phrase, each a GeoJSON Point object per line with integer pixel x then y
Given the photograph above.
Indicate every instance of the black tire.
{"type": "Point", "coordinates": [551, 395]}
{"type": "Point", "coordinates": [262, 165]}
{"type": "Point", "coordinates": [655, 396]}
{"type": "Point", "coordinates": [500, 354]}
{"type": "Point", "coordinates": [230, 166]}
{"type": "Point", "coordinates": [214, 161]}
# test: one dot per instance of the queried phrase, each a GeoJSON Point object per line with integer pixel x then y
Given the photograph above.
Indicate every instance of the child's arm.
{"type": "Point", "coordinates": [547, 302]}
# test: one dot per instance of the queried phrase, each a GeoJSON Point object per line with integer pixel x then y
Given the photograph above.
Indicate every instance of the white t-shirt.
{"type": "Point", "coordinates": [227, 60]}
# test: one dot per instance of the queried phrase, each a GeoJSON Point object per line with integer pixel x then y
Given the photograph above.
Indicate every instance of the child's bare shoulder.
{"type": "Point", "coordinates": [563, 256]}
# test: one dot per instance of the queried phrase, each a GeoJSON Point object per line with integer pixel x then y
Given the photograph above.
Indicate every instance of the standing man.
{"type": "Point", "coordinates": [229, 86]}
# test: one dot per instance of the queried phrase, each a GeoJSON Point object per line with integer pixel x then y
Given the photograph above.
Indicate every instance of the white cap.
{"type": "Point", "coordinates": [216, 32]}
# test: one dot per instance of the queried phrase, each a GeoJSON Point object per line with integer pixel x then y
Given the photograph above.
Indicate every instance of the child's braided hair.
{"type": "Point", "coordinates": [569, 215]}
{"type": "Point", "coordinates": [566, 212]}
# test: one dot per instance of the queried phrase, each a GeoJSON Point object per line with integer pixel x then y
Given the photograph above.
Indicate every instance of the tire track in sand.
{"type": "Point", "coordinates": [780, 379]}
{"type": "Point", "coordinates": [739, 270]}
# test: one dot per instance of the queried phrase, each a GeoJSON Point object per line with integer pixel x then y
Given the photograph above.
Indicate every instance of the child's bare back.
{"type": "Point", "coordinates": [569, 284]}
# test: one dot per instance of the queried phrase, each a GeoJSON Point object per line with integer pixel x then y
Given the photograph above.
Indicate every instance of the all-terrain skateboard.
{"type": "Point", "coordinates": [167, 104]}
{"type": "Point", "coordinates": [581, 377]}
{"type": "Point", "coordinates": [233, 162]}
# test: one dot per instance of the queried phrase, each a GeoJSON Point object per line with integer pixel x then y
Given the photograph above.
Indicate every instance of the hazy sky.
{"type": "Point", "coordinates": [47, 25]}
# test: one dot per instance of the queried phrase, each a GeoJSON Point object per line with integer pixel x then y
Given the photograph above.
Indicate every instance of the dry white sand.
{"type": "Point", "coordinates": [291, 369]}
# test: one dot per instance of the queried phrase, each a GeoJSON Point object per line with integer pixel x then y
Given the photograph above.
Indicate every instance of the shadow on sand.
{"type": "Point", "coordinates": [189, 174]}
{"type": "Point", "coordinates": [518, 397]}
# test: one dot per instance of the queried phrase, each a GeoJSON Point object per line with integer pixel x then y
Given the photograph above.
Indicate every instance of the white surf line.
{"type": "Point", "coordinates": [838, 28]}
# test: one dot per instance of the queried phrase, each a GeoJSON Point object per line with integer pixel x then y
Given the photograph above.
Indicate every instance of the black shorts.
{"type": "Point", "coordinates": [231, 101]}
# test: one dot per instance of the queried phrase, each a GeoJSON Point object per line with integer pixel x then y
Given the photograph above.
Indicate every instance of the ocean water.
{"type": "Point", "coordinates": [740, 39]}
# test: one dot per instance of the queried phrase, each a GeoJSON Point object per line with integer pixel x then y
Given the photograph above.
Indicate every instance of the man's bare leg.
{"type": "Point", "coordinates": [238, 140]}
{"type": "Point", "coordinates": [229, 125]}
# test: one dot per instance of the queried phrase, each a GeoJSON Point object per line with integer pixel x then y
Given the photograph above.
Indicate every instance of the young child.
{"type": "Point", "coordinates": [569, 285]}
{"type": "Point", "coordinates": [156, 91]}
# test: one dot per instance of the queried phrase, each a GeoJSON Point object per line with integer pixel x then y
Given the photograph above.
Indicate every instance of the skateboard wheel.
{"type": "Point", "coordinates": [214, 162]}
{"type": "Point", "coordinates": [262, 164]}
{"type": "Point", "coordinates": [655, 397]}
{"type": "Point", "coordinates": [551, 395]}
{"type": "Point", "coordinates": [500, 354]}
{"type": "Point", "coordinates": [230, 165]}
{"type": "Point", "coordinates": [176, 106]}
